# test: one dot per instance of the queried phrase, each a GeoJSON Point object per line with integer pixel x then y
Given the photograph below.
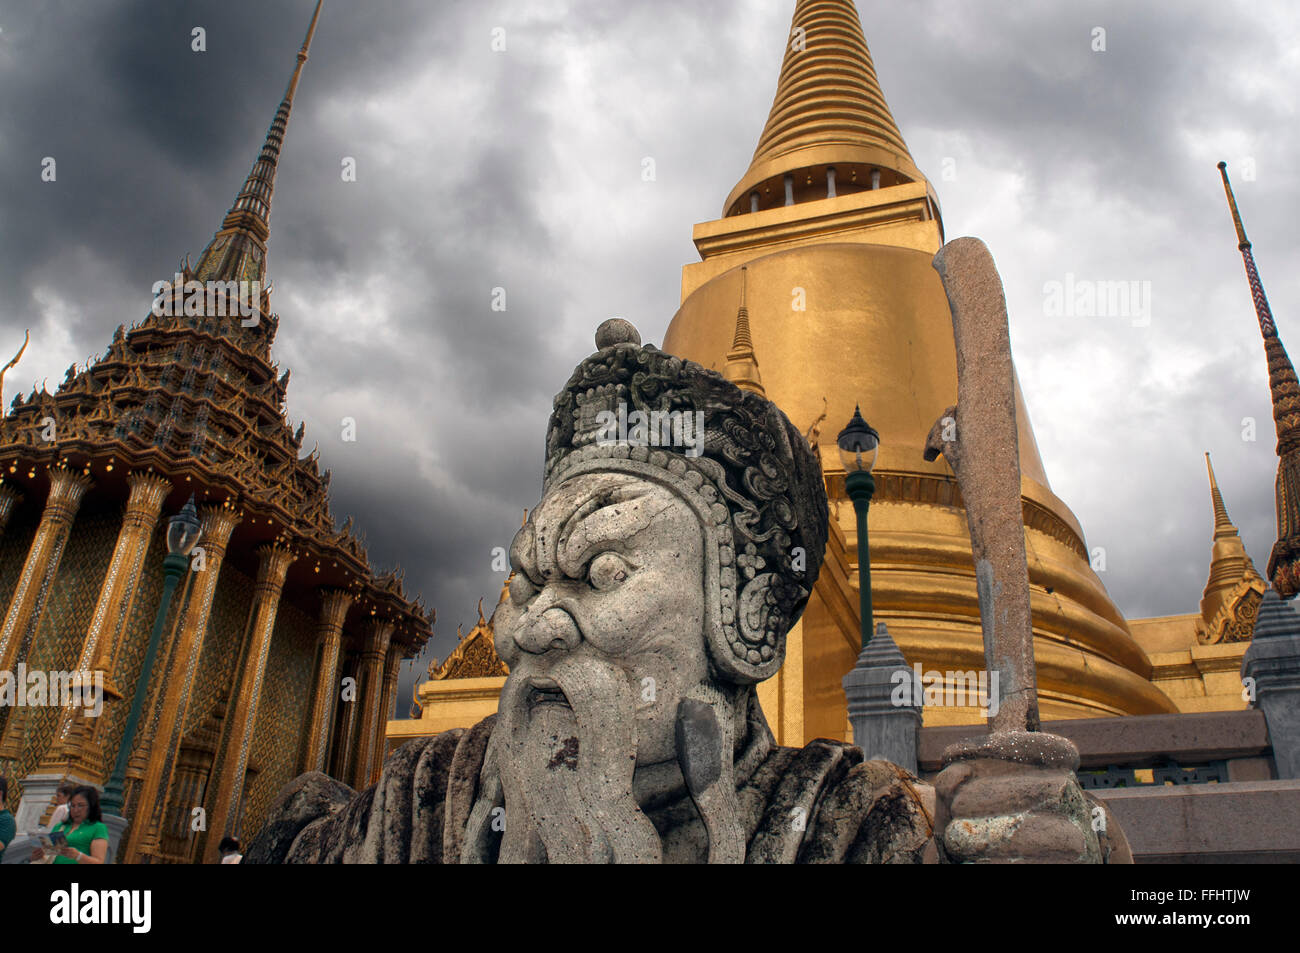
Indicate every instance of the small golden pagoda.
{"type": "Point", "coordinates": [1196, 657]}
{"type": "Point", "coordinates": [281, 615]}
{"type": "Point", "coordinates": [460, 691]}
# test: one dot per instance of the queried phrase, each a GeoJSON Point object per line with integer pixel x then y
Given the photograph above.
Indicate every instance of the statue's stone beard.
{"type": "Point", "coordinates": [564, 752]}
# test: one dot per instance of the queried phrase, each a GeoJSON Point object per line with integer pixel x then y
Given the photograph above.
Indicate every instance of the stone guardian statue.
{"type": "Point", "coordinates": [680, 532]}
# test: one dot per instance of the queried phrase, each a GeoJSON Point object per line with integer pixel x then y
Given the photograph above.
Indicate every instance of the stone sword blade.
{"type": "Point", "coordinates": [980, 443]}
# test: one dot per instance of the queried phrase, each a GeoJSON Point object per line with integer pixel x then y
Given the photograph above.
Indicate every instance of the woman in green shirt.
{"type": "Point", "coordinates": [85, 830]}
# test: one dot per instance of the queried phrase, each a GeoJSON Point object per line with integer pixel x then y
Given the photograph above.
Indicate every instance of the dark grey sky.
{"type": "Point", "coordinates": [521, 169]}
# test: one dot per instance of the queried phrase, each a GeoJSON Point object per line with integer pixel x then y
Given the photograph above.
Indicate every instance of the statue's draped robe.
{"type": "Point", "coordinates": [819, 804]}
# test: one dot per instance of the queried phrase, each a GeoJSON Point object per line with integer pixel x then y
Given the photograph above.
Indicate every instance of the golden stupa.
{"type": "Point", "coordinates": [835, 228]}
{"type": "Point", "coordinates": [815, 288]}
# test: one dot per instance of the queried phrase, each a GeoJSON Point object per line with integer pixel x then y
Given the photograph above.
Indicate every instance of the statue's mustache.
{"type": "Point", "coordinates": [567, 749]}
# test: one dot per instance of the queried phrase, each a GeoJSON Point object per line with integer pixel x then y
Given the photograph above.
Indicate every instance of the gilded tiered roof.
{"type": "Point", "coordinates": [474, 656]}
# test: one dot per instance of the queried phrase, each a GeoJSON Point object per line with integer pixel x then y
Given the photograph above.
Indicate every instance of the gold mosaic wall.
{"type": "Point", "coordinates": [281, 716]}
{"type": "Point", "coordinates": [216, 672]}
{"type": "Point", "coordinates": [68, 607]}
{"type": "Point", "coordinates": [286, 691]}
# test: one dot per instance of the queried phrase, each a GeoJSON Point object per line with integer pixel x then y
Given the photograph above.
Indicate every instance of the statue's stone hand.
{"type": "Point", "coordinates": [1014, 798]}
{"type": "Point", "coordinates": [997, 811]}
{"type": "Point", "coordinates": [938, 441]}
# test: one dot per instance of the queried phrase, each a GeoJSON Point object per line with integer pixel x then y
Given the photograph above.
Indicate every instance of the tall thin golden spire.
{"type": "Point", "coordinates": [1284, 561]}
{"type": "Point", "coordinates": [742, 338]}
{"type": "Point", "coordinates": [828, 113]}
{"type": "Point", "coordinates": [742, 364]}
{"type": "Point", "coordinates": [1222, 524]}
{"type": "Point", "coordinates": [238, 250]}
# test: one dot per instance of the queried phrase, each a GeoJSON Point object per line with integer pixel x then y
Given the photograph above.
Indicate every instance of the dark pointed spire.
{"type": "Point", "coordinates": [238, 251]}
{"type": "Point", "coordinates": [1284, 562]}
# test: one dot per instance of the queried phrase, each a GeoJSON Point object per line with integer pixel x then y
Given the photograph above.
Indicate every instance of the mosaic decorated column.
{"type": "Point", "coordinates": [370, 675]}
{"type": "Point", "coordinates": [329, 636]}
{"type": "Point", "coordinates": [80, 755]}
{"type": "Point", "coordinates": [274, 562]}
{"type": "Point", "coordinates": [391, 671]}
{"type": "Point", "coordinates": [27, 604]}
{"type": "Point", "coordinates": [167, 717]}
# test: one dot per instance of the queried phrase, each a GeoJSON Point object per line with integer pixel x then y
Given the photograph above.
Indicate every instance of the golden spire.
{"type": "Point", "coordinates": [238, 251]}
{"type": "Point", "coordinates": [742, 364]}
{"type": "Point", "coordinates": [1222, 525]}
{"type": "Point", "coordinates": [1234, 588]}
{"type": "Point", "coordinates": [828, 112]}
{"type": "Point", "coordinates": [1284, 561]}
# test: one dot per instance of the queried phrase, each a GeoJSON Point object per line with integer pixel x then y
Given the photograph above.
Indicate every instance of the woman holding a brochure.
{"type": "Point", "coordinates": [83, 837]}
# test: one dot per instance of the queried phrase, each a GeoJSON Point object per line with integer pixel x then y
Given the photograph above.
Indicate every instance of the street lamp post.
{"type": "Point", "coordinates": [858, 443]}
{"type": "Point", "coordinates": [884, 725]}
{"type": "Point", "coordinates": [182, 535]}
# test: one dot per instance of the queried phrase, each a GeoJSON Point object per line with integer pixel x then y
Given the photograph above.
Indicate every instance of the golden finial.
{"type": "Point", "coordinates": [481, 620]}
{"type": "Point", "coordinates": [742, 364]}
{"type": "Point", "coordinates": [742, 338]}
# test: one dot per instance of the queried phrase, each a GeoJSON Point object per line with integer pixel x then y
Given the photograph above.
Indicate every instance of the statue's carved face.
{"type": "Point", "coordinates": [608, 579]}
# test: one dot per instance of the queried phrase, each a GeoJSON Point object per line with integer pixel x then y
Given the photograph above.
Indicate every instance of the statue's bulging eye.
{"type": "Point", "coordinates": [607, 571]}
{"type": "Point", "coordinates": [521, 589]}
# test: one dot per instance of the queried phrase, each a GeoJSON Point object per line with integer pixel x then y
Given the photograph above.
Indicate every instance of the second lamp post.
{"type": "Point", "coordinates": [858, 443]}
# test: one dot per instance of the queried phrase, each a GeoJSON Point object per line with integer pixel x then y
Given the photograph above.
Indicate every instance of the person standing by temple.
{"type": "Point", "coordinates": [7, 826]}
{"type": "Point", "coordinates": [85, 831]}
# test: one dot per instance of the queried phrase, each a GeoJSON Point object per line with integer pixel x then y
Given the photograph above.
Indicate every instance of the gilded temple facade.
{"type": "Point", "coordinates": [815, 288]}
{"type": "Point", "coordinates": [281, 648]}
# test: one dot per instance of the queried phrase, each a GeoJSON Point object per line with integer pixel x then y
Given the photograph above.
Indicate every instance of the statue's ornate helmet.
{"type": "Point", "coordinates": [748, 473]}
